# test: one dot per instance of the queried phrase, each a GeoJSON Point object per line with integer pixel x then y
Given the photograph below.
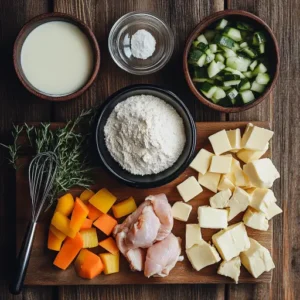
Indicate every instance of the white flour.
{"type": "Point", "coordinates": [145, 135]}
{"type": "Point", "coordinates": [142, 44]}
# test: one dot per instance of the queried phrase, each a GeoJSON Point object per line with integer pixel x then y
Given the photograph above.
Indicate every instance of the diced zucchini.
{"type": "Point", "coordinates": [232, 94]}
{"type": "Point", "coordinates": [256, 87]}
{"type": "Point", "coordinates": [208, 89]}
{"type": "Point", "coordinates": [253, 65]}
{"type": "Point", "coordinates": [243, 45]}
{"type": "Point", "coordinates": [221, 66]}
{"type": "Point", "coordinates": [230, 82]}
{"type": "Point", "coordinates": [261, 48]}
{"type": "Point", "coordinates": [236, 72]}
{"type": "Point", "coordinates": [233, 33]}
{"type": "Point", "coordinates": [195, 43]}
{"type": "Point", "coordinates": [197, 57]}
{"type": "Point", "coordinates": [222, 24]}
{"type": "Point", "coordinates": [225, 88]}
{"type": "Point", "coordinates": [247, 96]}
{"type": "Point", "coordinates": [262, 78]}
{"type": "Point", "coordinates": [201, 46]}
{"type": "Point", "coordinates": [243, 26]}
{"type": "Point", "coordinates": [209, 35]}
{"type": "Point", "coordinates": [250, 52]}
{"type": "Point", "coordinates": [209, 56]}
{"type": "Point", "coordinates": [244, 85]}
{"type": "Point", "coordinates": [201, 38]}
{"type": "Point", "coordinates": [213, 48]}
{"type": "Point", "coordinates": [259, 69]}
{"type": "Point", "coordinates": [219, 57]}
{"type": "Point", "coordinates": [200, 75]}
{"type": "Point", "coordinates": [224, 41]}
{"type": "Point", "coordinates": [259, 38]}
{"type": "Point", "coordinates": [213, 69]}
{"type": "Point", "coordinates": [228, 52]}
{"type": "Point", "coordinates": [248, 74]}
{"type": "Point", "coordinates": [218, 95]}
{"type": "Point", "coordinates": [238, 63]}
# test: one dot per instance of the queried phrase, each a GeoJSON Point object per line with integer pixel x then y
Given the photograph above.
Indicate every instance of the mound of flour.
{"type": "Point", "coordinates": [145, 135]}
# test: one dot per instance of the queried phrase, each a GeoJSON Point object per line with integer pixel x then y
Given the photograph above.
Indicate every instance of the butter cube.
{"type": "Point", "coordinates": [220, 164]}
{"type": "Point", "coordinates": [201, 162]}
{"type": "Point", "coordinates": [220, 200]}
{"type": "Point", "coordinates": [210, 217]}
{"type": "Point", "coordinates": [234, 137]}
{"type": "Point", "coordinates": [262, 173]}
{"type": "Point", "coordinates": [192, 235]}
{"type": "Point", "coordinates": [225, 183]}
{"type": "Point", "coordinates": [230, 242]}
{"type": "Point", "coordinates": [209, 180]}
{"type": "Point", "coordinates": [202, 255]}
{"type": "Point", "coordinates": [239, 202]}
{"type": "Point", "coordinates": [262, 199]}
{"type": "Point", "coordinates": [220, 142]}
{"type": "Point", "coordinates": [257, 259]}
{"type": "Point", "coordinates": [256, 138]}
{"type": "Point", "coordinates": [247, 156]}
{"type": "Point", "coordinates": [181, 211]}
{"type": "Point", "coordinates": [231, 268]}
{"type": "Point", "coordinates": [189, 189]}
{"type": "Point", "coordinates": [273, 210]}
{"type": "Point", "coordinates": [255, 219]}
{"type": "Point", "coordinates": [240, 178]}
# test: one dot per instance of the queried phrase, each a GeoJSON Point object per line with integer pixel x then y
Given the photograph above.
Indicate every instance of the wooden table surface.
{"type": "Point", "coordinates": [282, 109]}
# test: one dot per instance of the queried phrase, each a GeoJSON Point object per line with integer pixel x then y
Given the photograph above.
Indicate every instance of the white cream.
{"type": "Point", "coordinates": [57, 58]}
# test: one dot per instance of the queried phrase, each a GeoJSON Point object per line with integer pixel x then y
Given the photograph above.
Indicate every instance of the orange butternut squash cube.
{"type": "Point", "coordinates": [57, 233]}
{"type": "Point", "coordinates": [65, 204]}
{"type": "Point", "coordinates": [86, 195]}
{"type": "Point", "coordinates": [79, 214]}
{"type": "Point", "coordinates": [62, 223]}
{"type": "Point", "coordinates": [90, 238]}
{"type": "Point", "coordinates": [88, 265]}
{"type": "Point", "coordinates": [54, 243]}
{"type": "Point", "coordinates": [105, 223]}
{"type": "Point", "coordinates": [103, 200]}
{"type": "Point", "coordinates": [111, 262]}
{"type": "Point", "coordinates": [68, 251]}
{"type": "Point", "coordinates": [109, 245]}
{"type": "Point", "coordinates": [86, 224]}
{"type": "Point", "coordinates": [124, 208]}
{"type": "Point", "coordinates": [94, 213]}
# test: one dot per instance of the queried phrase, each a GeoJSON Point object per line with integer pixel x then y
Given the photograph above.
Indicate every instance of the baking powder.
{"type": "Point", "coordinates": [142, 44]}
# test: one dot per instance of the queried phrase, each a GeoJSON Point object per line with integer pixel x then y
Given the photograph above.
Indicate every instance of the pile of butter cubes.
{"type": "Point", "coordinates": [238, 188]}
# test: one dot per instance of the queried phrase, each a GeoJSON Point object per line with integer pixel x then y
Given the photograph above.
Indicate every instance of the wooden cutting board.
{"type": "Point", "coordinates": [42, 272]}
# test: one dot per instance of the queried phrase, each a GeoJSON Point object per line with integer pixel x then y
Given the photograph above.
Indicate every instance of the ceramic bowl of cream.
{"type": "Point", "coordinates": [56, 56]}
{"type": "Point", "coordinates": [124, 173]}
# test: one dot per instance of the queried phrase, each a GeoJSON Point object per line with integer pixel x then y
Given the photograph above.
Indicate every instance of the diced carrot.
{"type": "Point", "coordinates": [94, 213]}
{"type": "Point", "coordinates": [86, 195]}
{"type": "Point", "coordinates": [62, 223]}
{"type": "Point", "coordinates": [109, 245]}
{"type": "Point", "coordinates": [124, 208]}
{"type": "Point", "coordinates": [90, 238]}
{"type": "Point", "coordinates": [105, 223]}
{"type": "Point", "coordinates": [79, 214]}
{"type": "Point", "coordinates": [88, 265]}
{"type": "Point", "coordinates": [111, 262]}
{"type": "Point", "coordinates": [58, 233]}
{"type": "Point", "coordinates": [86, 224]}
{"type": "Point", "coordinates": [103, 200]}
{"type": "Point", "coordinates": [68, 251]}
{"type": "Point", "coordinates": [54, 243]}
{"type": "Point", "coordinates": [65, 204]}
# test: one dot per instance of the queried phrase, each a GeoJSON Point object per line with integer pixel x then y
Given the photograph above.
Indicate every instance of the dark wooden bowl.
{"type": "Point", "coordinates": [273, 53]}
{"type": "Point", "coordinates": [41, 19]}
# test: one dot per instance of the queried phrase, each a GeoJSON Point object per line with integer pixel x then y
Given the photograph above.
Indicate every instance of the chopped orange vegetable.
{"type": "Point", "coordinates": [109, 245]}
{"type": "Point", "coordinates": [79, 214]}
{"type": "Point", "coordinates": [94, 213]}
{"type": "Point", "coordinates": [90, 238]}
{"type": "Point", "coordinates": [57, 233]}
{"type": "Point", "coordinates": [65, 204]}
{"type": "Point", "coordinates": [54, 243]}
{"type": "Point", "coordinates": [111, 262]}
{"type": "Point", "coordinates": [124, 208]}
{"type": "Point", "coordinates": [103, 200]}
{"type": "Point", "coordinates": [86, 224]}
{"type": "Point", "coordinates": [62, 223]}
{"type": "Point", "coordinates": [86, 195]}
{"type": "Point", "coordinates": [105, 223]}
{"type": "Point", "coordinates": [68, 251]}
{"type": "Point", "coordinates": [88, 264]}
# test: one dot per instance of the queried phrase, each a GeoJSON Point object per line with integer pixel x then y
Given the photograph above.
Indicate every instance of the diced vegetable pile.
{"type": "Point", "coordinates": [228, 63]}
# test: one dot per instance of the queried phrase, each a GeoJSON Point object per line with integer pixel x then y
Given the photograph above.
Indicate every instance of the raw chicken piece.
{"type": "Point", "coordinates": [136, 258]}
{"type": "Point", "coordinates": [162, 257]}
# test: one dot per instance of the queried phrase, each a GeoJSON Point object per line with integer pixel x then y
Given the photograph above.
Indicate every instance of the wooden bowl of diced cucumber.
{"type": "Point", "coordinates": [231, 61]}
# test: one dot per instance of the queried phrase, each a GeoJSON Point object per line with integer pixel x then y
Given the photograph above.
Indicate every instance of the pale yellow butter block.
{"type": "Point", "coordinates": [220, 200]}
{"type": "Point", "coordinates": [231, 268]}
{"type": "Point", "coordinates": [192, 235]}
{"type": "Point", "coordinates": [220, 142]}
{"type": "Point", "coordinates": [181, 211]}
{"type": "Point", "coordinates": [210, 217]}
{"type": "Point", "coordinates": [225, 183]}
{"type": "Point", "coordinates": [234, 137]}
{"type": "Point", "coordinates": [257, 259]}
{"type": "Point", "coordinates": [239, 202]}
{"type": "Point", "coordinates": [273, 210]}
{"type": "Point", "coordinates": [255, 219]}
{"type": "Point", "coordinates": [189, 189]}
{"type": "Point", "coordinates": [262, 199]}
{"type": "Point", "coordinates": [210, 181]}
{"type": "Point", "coordinates": [247, 156]}
{"type": "Point", "coordinates": [240, 178]}
{"type": "Point", "coordinates": [220, 164]}
{"type": "Point", "coordinates": [202, 161]}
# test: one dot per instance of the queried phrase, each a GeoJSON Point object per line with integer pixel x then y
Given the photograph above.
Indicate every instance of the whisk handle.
{"type": "Point", "coordinates": [16, 284]}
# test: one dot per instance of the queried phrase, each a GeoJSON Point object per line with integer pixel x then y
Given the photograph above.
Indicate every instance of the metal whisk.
{"type": "Point", "coordinates": [41, 173]}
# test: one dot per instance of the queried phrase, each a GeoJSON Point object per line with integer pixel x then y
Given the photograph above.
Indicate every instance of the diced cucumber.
{"type": "Point", "coordinates": [259, 69]}
{"type": "Point", "coordinates": [209, 56]}
{"type": "Point", "coordinates": [261, 48]}
{"type": "Point", "coordinates": [225, 88]}
{"type": "Point", "coordinates": [213, 69]}
{"type": "Point", "coordinates": [247, 96]}
{"type": "Point", "coordinates": [243, 26]}
{"type": "Point", "coordinates": [258, 38]}
{"type": "Point", "coordinates": [231, 82]}
{"type": "Point", "coordinates": [200, 75]}
{"type": "Point", "coordinates": [201, 38]}
{"type": "Point", "coordinates": [218, 95]}
{"type": "Point", "coordinates": [236, 72]}
{"type": "Point", "coordinates": [201, 46]}
{"type": "Point", "coordinates": [213, 48]}
{"type": "Point", "coordinates": [236, 47]}
{"type": "Point", "coordinates": [253, 65]}
{"type": "Point", "coordinates": [248, 74]}
{"type": "Point", "coordinates": [222, 24]}
{"type": "Point", "coordinates": [194, 56]}
{"type": "Point", "coordinates": [221, 66]}
{"type": "Point", "coordinates": [256, 87]}
{"type": "Point", "coordinates": [209, 35]}
{"type": "Point", "coordinates": [228, 52]}
{"type": "Point", "coordinates": [208, 89]}
{"type": "Point", "coordinates": [219, 57]}
{"type": "Point", "coordinates": [233, 33]}
{"type": "Point", "coordinates": [250, 52]}
{"type": "Point", "coordinates": [243, 45]}
{"type": "Point", "coordinates": [228, 77]}
{"type": "Point", "coordinates": [195, 43]}
{"type": "Point", "coordinates": [262, 78]}
{"type": "Point", "coordinates": [232, 94]}
{"type": "Point", "coordinates": [224, 41]}
{"type": "Point", "coordinates": [244, 85]}
{"type": "Point", "coordinates": [238, 63]}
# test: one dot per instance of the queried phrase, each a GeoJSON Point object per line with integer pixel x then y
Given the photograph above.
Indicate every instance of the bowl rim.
{"type": "Point", "coordinates": [165, 180]}
{"type": "Point", "coordinates": [46, 17]}
{"type": "Point", "coordinates": [141, 72]}
{"type": "Point", "coordinates": [204, 24]}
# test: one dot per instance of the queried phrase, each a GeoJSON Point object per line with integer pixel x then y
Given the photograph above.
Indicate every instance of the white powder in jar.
{"type": "Point", "coordinates": [145, 135]}
{"type": "Point", "coordinates": [142, 44]}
